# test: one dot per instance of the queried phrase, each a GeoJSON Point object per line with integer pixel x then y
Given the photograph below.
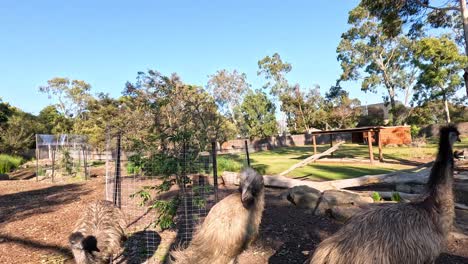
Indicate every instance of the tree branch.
{"type": "Point", "coordinates": [448, 8]}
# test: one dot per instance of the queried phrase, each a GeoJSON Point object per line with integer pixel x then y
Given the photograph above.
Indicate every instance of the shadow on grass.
{"type": "Point", "coordinates": [345, 172]}
{"type": "Point", "coordinates": [21, 205]}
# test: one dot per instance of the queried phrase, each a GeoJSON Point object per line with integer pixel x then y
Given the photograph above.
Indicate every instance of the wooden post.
{"type": "Point", "coordinates": [315, 144]}
{"type": "Point", "coordinates": [380, 146]}
{"type": "Point", "coordinates": [369, 142]}
{"type": "Point", "coordinates": [331, 143]}
{"type": "Point", "coordinates": [215, 170]}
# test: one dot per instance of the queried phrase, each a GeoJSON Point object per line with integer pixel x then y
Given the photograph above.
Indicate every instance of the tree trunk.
{"type": "Point", "coordinates": [464, 12]}
{"type": "Point", "coordinates": [393, 105]}
{"type": "Point", "coordinates": [231, 111]}
{"type": "Point", "coordinates": [447, 113]}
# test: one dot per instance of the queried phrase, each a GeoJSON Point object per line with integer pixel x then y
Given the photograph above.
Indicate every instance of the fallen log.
{"type": "Point", "coordinates": [419, 177]}
{"type": "Point", "coordinates": [312, 158]}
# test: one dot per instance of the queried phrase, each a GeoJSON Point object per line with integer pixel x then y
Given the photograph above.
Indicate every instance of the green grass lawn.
{"type": "Point", "coordinates": [278, 160]}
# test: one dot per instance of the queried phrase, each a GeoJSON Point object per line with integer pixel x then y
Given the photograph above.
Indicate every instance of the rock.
{"type": "Point", "coordinates": [230, 178]}
{"type": "Point", "coordinates": [344, 212]}
{"type": "Point", "coordinates": [338, 197]}
{"type": "Point", "coordinates": [303, 196]}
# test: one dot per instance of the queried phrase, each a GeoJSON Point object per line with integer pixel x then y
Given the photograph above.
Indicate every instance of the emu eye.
{"type": "Point", "coordinates": [253, 191]}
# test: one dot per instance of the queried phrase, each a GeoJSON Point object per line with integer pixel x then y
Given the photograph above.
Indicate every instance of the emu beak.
{"type": "Point", "coordinates": [246, 198]}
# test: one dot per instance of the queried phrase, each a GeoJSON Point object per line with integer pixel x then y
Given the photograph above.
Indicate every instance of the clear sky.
{"type": "Point", "coordinates": [106, 43]}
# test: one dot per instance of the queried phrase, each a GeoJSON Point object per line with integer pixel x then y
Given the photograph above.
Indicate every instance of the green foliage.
{"type": "Point", "coordinates": [66, 162]}
{"type": "Point", "coordinates": [343, 112]}
{"type": "Point", "coordinates": [103, 116]}
{"type": "Point", "coordinates": [144, 194]}
{"type": "Point", "coordinates": [5, 112]}
{"type": "Point", "coordinates": [72, 96]}
{"type": "Point", "coordinates": [228, 89]}
{"type": "Point", "coordinates": [97, 163]}
{"type": "Point", "coordinates": [396, 197]}
{"type": "Point", "coordinates": [54, 121]}
{"type": "Point", "coordinates": [415, 131]}
{"type": "Point", "coordinates": [135, 164]}
{"type": "Point", "coordinates": [440, 62]}
{"type": "Point", "coordinates": [376, 197]}
{"type": "Point", "coordinates": [41, 171]}
{"type": "Point", "coordinates": [17, 135]}
{"type": "Point", "coordinates": [9, 163]}
{"type": "Point", "coordinates": [416, 16]}
{"type": "Point", "coordinates": [257, 115]}
{"type": "Point", "coordinates": [166, 212]}
{"type": "Point", "coordinates": [375, 58]}
{"type": "Point", "coordinates": [274, 70]}
{"type": "Point", "coordinates": [228, 164]}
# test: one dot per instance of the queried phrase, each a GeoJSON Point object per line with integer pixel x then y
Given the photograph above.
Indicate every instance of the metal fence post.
{"type": "Point", "coordinates": [117, 194]}
{"type": "Point", "coordinates": [247, 152]}
{"type": "Point", "coordinates": [215, 170]}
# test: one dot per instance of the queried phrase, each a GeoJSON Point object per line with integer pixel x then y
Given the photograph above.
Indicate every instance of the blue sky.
{"type": "Point", "coordinates": [106, 43]}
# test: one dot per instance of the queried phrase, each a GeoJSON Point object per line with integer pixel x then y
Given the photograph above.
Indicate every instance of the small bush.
{"type": "Point", "coordinates": [396, 197]}
{"type": "Point", "coordinates": [376, 197]}
{"type": "Point", "coordinates": [226, 164]}
{"type": "Point", "coordinates": [415, 131]}
{"type": "Point", "coordinates": [9, 163]}
{"type": "Point", "coordinates": [67, 162]}
{"type": "Point", "coordinates": [96, 163]}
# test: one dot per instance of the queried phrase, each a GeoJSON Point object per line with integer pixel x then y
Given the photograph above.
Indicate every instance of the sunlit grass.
{"type": "Point", "coordinates": [9, 163]}
{"type": "Point", "coordinates": [280, 159]}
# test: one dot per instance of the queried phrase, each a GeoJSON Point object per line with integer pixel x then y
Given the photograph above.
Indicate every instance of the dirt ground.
{"type": "Point", "coordinates": [36, 219]}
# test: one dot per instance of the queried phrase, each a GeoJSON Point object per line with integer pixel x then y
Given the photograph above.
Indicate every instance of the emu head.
{"type": "Point", "coordinates": [251, 186]}
{"type": "Point", "coordinates": [451, 133]}
{"type": "Point", "coordinates": [88, 243]}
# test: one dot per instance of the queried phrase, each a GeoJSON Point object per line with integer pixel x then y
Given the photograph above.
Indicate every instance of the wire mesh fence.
{"type": "Point", "coordinates": [61, 157]}
{"type": "Point", "coordinates": [157, 191]}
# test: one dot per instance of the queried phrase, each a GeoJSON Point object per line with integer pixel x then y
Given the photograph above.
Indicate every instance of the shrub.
{"type": "Point", "coordinates": [226, 164]}
{"type": "Point", "coordinates": [396, 197]}
{"type": "Point", "coordinates": [415, 131]}
{"type": "Point", "coordinates": [376, 197]}
{"type": "Point", "coordinates": [67, 162]}
{"type": "Point", "coordinates": [9, 163]}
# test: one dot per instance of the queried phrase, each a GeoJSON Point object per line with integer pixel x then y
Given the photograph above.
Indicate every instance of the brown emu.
{"type": "Point", "coordinates": [99, 234]}
{"type": "Point", "coordinates": [404, 232]}
{"type": "Point", "coordinates": [231, 225]}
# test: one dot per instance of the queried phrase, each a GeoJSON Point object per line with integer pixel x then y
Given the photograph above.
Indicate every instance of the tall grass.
{"type": "Point", "coordinates": [227, 164]}
{"type": "Point", "coordinates": [9, 163]}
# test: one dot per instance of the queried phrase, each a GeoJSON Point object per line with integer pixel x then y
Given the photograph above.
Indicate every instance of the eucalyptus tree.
{"type": "Point", "coordinates": [440, 62]}
{"type": "Point", "coordinates": [421, 16]}
{"type": "Point", "coordinates": [375, 59]}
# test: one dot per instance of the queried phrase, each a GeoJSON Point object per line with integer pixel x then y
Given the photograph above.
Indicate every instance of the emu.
{"type": "Point", "coordinates": [99, 234]}
{"type": "Point", "coordinates": [230, 226]}
{"type": "Point", "coordinates": [400, 233]}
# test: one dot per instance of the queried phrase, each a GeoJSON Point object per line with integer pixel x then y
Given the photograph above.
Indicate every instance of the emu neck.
{"type": "Point", "coordinates": [440, 186]}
